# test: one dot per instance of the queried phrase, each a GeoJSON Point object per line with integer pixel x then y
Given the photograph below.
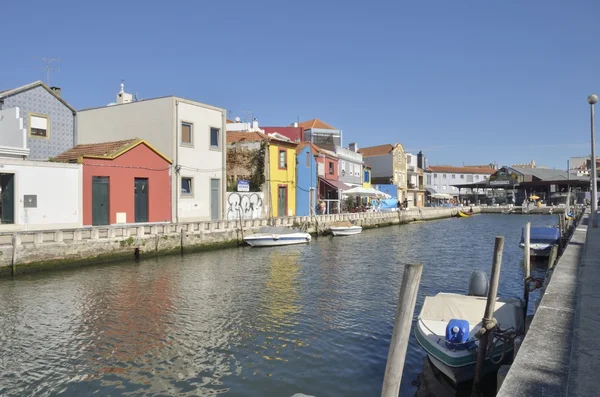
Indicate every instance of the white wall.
{"type": "Point", "coordinates": [13, 136]}
{"type": "Point", "coordinates": [199, 161]}
{"type": "Point", "coordinates": [59, 194]}
{"type": "Point", "coordinates": [249, 205]}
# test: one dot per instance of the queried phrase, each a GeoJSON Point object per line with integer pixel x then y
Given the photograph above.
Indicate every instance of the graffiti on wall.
{"type": "Point", "coordinates": [250, 205]}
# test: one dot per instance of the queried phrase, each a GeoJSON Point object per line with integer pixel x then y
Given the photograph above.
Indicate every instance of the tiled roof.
{"type": "Point", "coordinates": [294, 133]}
{"type": "Point", "coordinates": [315, 123]}
{"type": "Point", "coordinates": [379, 150]}
{"type": "Point", "coordinates": [229, 121]}
{"type": "Point", "coordinates": [29, 86]}
{"type": "Point", "coordinates": [461, 170]}
{"type": "Point", "coordinates": [103, 149]}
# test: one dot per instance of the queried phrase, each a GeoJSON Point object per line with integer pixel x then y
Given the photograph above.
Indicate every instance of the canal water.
{"type": "Point", "coordinates": [268, 322]}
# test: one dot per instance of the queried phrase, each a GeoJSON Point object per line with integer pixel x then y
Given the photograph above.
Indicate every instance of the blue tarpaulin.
{"type": "Point", "coordinates": [545, 235]}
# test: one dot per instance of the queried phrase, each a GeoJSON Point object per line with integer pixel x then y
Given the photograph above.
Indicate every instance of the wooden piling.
{"type": "Point", "coordinates": [526, 266]}
{"type": "Point", "coordinates": [156, 241]}
{"type": "Point", "coordinates": [401, 334]}
{"type": "Point", "coordinates": [487, 322]}
{"type": "Point", "coordinates": [14, 254]}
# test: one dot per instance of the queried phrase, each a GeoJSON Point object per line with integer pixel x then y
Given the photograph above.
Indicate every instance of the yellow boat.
{"type": "Point", "coordinates": [464, 215]}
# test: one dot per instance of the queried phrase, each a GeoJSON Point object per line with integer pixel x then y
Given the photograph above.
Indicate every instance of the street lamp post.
{"type": "Point", "coordinates": [592, 99]}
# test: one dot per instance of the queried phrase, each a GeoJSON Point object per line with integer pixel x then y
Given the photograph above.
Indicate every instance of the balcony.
{"type": "Point", "coordinates": [411, 168]}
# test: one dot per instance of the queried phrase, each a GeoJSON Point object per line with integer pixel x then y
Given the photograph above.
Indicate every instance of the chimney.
{"type": "Point", "coordinates": [353, 146]}
{"type": "Point", "coordinates": [123, 97]}
{"type": "Point", "coordinates": [295, 124]}
{"type": "Point", "coordinates": [254, 124]}
{"type": "Point", "coordinates": [56, 90]}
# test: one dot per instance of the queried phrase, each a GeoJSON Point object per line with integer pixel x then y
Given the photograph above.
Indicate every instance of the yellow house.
{"type": "Point", "coordinates": [278, 158]}
{"type": "Point", "coordinates": [282, 177]}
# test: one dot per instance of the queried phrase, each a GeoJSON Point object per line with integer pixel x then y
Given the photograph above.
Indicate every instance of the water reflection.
{"type": "Point", "coordinates": [315, 319]}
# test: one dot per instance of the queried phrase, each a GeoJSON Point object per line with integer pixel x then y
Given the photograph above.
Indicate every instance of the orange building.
{"type": "Point", "coordinates": [123, 182]}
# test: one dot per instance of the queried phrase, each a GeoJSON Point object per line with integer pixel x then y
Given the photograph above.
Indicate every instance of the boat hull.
{"type": "Point", "coordinates": [346, 230]}
{"type": "Point", "coordinates": [541, 250]}
{"type": "Point", "coordinates": [464, 215]}
{"type": "Point", "coordinates": [274, 240]}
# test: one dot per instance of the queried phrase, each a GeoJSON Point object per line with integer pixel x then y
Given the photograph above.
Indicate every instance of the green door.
{"type": "Point", "coordinates": [141, 200]}
{"type": "Point", "coordinates": [8, 197]}
{"type": "Point", "coordinates": [282, 201]}
{"type": "Point", "coordinates": [100, 186]}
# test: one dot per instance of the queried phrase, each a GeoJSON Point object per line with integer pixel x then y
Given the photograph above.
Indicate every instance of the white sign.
{"type": "Point", "coordinates": [499, 182]}
{"type": "Point", "coordinates": [243, 186]}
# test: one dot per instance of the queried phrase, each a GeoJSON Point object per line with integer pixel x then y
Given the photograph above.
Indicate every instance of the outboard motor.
{"type": "Point", "coordinates": [457, 334]}
{"type": "Point", "coordinates": [479, 284]}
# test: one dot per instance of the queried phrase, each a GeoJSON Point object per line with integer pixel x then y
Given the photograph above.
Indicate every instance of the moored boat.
{"type": "Point", "coordinates": [464, 214]}
{"type": "Point", "coordinates": [541, 240]}
{"type": "Point", "coordinates": [275, 236]}
{"type": "Point", "coordinates": [446, 329]}
{"type": "Point", "coordinates": [345, 229]}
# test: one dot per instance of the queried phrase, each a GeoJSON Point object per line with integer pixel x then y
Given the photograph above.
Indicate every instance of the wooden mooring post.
{"type": "Point", "coordinates": [14, 254]}
{"type": "Point", "coordinates": [488, 318]}
{"type": "Point", "coordinates": [526, 266]}
{"type": "Point", "coordinates": [401, 334]}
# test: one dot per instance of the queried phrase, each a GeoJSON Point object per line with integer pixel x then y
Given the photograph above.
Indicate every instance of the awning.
{"type": "Point", "coordinates": [337, 185]}
{"type": "Point", "coordinates": [430, 190]}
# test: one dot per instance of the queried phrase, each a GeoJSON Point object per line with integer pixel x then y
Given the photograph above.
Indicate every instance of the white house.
{"type": "Point", "coordinates": [189, 132]}
{"type": "Point", "coordinates": [34, 195]}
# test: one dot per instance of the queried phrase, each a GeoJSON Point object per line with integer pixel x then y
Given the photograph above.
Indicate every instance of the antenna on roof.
{"type": "Point", "coordinates": [48, 69]}
{"type": "Point", "coordinates": [247, 115]}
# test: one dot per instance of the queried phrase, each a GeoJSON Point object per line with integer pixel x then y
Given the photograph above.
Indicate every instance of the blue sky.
{"type": "Point", "coordinates": [464, 81]}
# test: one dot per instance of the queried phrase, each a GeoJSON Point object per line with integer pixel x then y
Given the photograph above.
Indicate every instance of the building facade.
{"type": "Point", "coordinates": [388, 164]}
{"type": "Point", "coordinates": [445, 178]}
{"type": "Point", "coordinates": [188, 132]}
{"type": "Point", "coordinates": [321, 134]}
{"type": "Point", "coordinates": [306, 180]}
{"type": "Point", "coordinates": [415, 185]}
{"type": "Point", "coordinates": [124, 182]}
{"type": "Point", "coordinates": [47, 119]}
{"type": "Point", "coordinates": [350, 166]}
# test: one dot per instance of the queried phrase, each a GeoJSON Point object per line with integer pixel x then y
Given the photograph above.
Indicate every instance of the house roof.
{"type": "Point", "coordinates": [379, 150]}
{"type": "Point", "coordinates": [294, 133]}
{"type": "Point", "coordinates": [315, 123]}
{"type": "Point", "coordinates": [13, 91]}
{"type": "Point", "coordinates": [104, 150]}
{"type": "Point", "coordinates": [462, 170]}
{"type": "Point", "coordinates": [229, 121]}
{"type": "Point", "coordinates": [543, 174]}
{"type": "Point", "coordinates": [238, 136]}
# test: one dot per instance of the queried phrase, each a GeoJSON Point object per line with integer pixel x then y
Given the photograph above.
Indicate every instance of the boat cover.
{"type": "Point", "coordinates": [445, 307]}
{"type": "Point", "coordinates": [546, 235]}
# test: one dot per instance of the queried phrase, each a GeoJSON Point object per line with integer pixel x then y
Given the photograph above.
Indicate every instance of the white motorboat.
{"type": "Point", "coordinates": [446, 329]}
{"type": "Point", "coordinates": [541, 240]}
{"type": "Point", "coordinates": [345, 229]}
{"type": "Point", "coordinates": [274, 236]}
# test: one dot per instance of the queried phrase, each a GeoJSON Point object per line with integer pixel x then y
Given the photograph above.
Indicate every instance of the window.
{"type": "Point", "coordinates": [428, 180]}
{"type": "Point", "coordinates": [367, 176]}
{"type": "Point", "coordinates": [435, 187]}
{"type": "Point", "coordinates": [343, 167]}
{"type": "Point", "coordinates": [307, 159]}
{"type": "Point", "coordinates": [186, 133]}
{"type": "Point", "coordinates": [444, 187]}
{"type": "Point", "coordinates": [38, 125]}
{"type": "Point", "coordinates": [453, 176]}
{"type": "Point", "coordinates": [214, 137]}
{"type": "Point", "coordinates": [435, 176]}
{"type": "Point", "coordinates": [330, 167]}
{"type": "Point", "coordinates": [476, 177]}
{"type": "Point", "coordinates": [408, 159]}
{"type": "Point", "coordinates": [282, 158]}
{"type": "Point", "coordinates": [186, 186]}
{"type": "Point", "coordinates": [462, 177]}
{"type": "Point", "coordinates": [444, 176]}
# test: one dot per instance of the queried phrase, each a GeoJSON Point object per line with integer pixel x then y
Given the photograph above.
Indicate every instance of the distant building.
{"type": "Point", "coordinates": [321, 134]}
{"type": "Point", "coordinates": [445, 177]}
{"type": "Point", "coordinates": [416, 190]}
{"type": "Point", "coordinates": [350, 165]}
{"type": "Point", "coordinates": [42, 116]}
{"type": "Point", "coordinates": [528, 165]}
{"type": "Point", "coordinates": [388, 165]}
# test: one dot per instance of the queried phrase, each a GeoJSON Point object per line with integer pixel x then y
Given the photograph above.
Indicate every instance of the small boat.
{"type": "Point", "coordinates": [464, 214]}
{"type": "Point", "coordinates": [541, 240]}
{"type": "Point", "coordinates": [446, 329]}
{"type": "Point", "coordinates": [345, 229]}
{"type": "Point", "coordinates": [269, 236]}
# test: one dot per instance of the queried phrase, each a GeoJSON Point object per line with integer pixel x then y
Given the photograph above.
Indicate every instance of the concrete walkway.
{"type": "Point", "coordinates": [560, 355]}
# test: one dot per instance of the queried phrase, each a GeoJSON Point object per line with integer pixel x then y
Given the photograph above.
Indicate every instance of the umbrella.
{"type": "Point", "coordinates": [366, 192]}
{"type": "Point", "coordinates": [534, 197]}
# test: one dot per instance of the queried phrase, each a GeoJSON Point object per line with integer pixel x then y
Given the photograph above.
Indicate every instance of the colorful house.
{"type": "Point", "coordinates": [124, 182]}
{"type": "Point", "coordinates": [306, 180]}
{"type": "Point", "coordinates": [388, 163]}
{"type": "Point", "coordinates": [279, 163]}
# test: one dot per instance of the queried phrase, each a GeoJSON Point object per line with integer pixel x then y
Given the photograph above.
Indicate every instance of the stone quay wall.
{"type": "Point", "coordinates": [37, 250]}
